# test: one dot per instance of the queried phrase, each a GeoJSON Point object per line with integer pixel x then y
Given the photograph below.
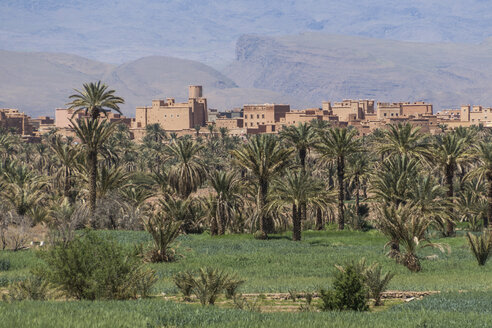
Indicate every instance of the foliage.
{"type": "Point", "coordinates": [348, 292]}
{"type": "Point", "coordinates": [91, 267]}
{"type": "Point", "coordinates": [404, 224]}
{"type": "Point", "coordinates": [207, 285]}
{"type": "Point", "coordinates": [185, 282]}
{"type": "Point", "coordinates": [164, 231]}
{"type": "Point", "coordinates": [32, 288]}
{"type": "Point", "coordinates": [4, 264]}
{"type": "Point", "coordinates": [481, 246]}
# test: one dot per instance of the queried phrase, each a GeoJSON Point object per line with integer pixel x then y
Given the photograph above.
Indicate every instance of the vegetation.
{"type": "Point", "coordinates": [481, 246]}
{"type": "Point", "coordinates": [90, 267]}
{"type": "Point", "coordinates": [348, 291]}
{"type": "Point", "coordinates": [214, 195]}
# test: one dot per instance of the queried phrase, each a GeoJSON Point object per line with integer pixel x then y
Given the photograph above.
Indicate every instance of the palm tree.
{"type": "Point", "coordinates": [358, 172]}
{"type": "Point", "coordinates": [223, 133]}
{"type": "Point", "coordinates": [22, 188]}
{"type": "Point", "coordinates": [187, 172]}
{"type": "Point", "coordinates": [339, 143]}
{"type": "Point", "coordinates": [405, 224]}
{"type": "Point", "coordinates": [402, 139]}
{"type": "Point", "coordinates": [297, 189]}
{"type": "Point", "coordinates": [67, 156]}
{"type": "Point", "coordinates": [227, 197]}
{"type": "Point", "coordinates": [197, 130]}
{"type": "Point", "coordinates": [428, 196]}
{"type": "Point", "coordinates": [211, 130]}
{"type": "Point", "coordinates": [484, 170]}
{"type": "Point", "coordinates": [449, 151]}
{"type": "Point", "coordinates": [154, 133]}
{"type": "Point", "coordinates": [302, 137]}
{"type": "Point", "coordinates": [95, 99]}
{"type": "Point", "coordinates": [264, 159]}
{"type": "Point", "coordinates": [93, 134]}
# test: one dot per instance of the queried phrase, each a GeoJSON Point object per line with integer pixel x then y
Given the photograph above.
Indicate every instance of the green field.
{"type": "Point", "coordinates": [275, 265]}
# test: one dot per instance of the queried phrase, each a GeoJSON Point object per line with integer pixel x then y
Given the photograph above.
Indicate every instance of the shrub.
{"type": "Point", "coordinates": [406, 227]}
{"type": "Point", "coordinates": [91, 267]}
{"type": "Point", "coordinates": [232, 286]}
{"type": "Point", "coordinates": [4, 281]}
{"type": "Point", "coordinates": [164, 232]}
{"type": "Point", "coordinates": [207, 285]}
{"type": "Point", "coordinates": [4, 265]}
{"type": "Point", "coordinates": [33, 288]}
{"type": "Point", "coordinates": [184, 281]}
{"type": "Point", "coordinates": [481, 246]}
{"type": "Point", "coordinates": [375, 281]}
{"type": "Point", "coordinates": [348, 292]}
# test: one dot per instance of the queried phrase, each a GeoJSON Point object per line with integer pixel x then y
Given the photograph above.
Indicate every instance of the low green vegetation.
{"type": "Point", "coordinates": [454, 310]}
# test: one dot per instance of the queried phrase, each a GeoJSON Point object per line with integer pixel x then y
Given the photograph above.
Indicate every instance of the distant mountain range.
{"type": "Point", "coordinates": [40, 82]}
{"type": "Point", "coordinates": [118, 31]}
{"type": "Point", "coordinates": [313, 67]}
{"type": "Point", "coordinates": [301, 70]}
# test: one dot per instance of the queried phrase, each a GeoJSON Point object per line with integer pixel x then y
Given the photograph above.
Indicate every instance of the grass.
{"type": "Point", "coordinates": [275, 265]}
{"type": "Point", "coordinates": [280, 265]}
{"type": "Point", "coordinates": [445, 310]}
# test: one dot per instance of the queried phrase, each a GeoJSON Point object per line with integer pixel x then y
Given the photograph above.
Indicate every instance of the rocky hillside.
{"type": "Point", "coordinates": [40, 82]}
{"type": "Point", "coordinates": [313, 67]}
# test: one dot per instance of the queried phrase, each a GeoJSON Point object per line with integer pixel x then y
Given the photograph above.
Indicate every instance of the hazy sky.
{"type": "Point", "coordinates": [120, 30]}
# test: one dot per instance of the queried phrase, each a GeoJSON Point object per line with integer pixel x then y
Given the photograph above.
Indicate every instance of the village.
{"type": "Point", "coordinates": [193, 117]}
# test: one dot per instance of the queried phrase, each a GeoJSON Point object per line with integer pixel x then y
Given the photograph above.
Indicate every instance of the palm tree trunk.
{"type": "Point", "coordinates": [92, 157]}
{"type": "Point", "coordinates": [266, 222]}
{"type": "Point", "coordinates": [296, 223]}
{"type": "Point", "coordinates": [341, 190]}
{"type": "Point", "coordinates": [302, 156]}
{"type": "Point", "coordinates": [488, 219]}
{"type": "Point", "coordinates": [449, 194]}
{"type": "Point", "coordinates": [66, 189]}
{"type": "Point", "coordinates": [220, 217]}
{"type": "Point", "coordinates": [319, 219]}
{"type": "Point", "coordinates": [357, 197]}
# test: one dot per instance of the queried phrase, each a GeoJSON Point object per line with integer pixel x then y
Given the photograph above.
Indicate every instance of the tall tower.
{"type": "Point", "coordinates": [465, 113]}
{"type": "Point", "coordinates": [195, 91]}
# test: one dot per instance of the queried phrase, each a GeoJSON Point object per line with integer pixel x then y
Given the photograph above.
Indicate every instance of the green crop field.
{"type": "Point", "coordinates": [275, 265]}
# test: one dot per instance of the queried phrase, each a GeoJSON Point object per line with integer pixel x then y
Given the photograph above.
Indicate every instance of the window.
{"type": "Point", "coordinates": [262, 115]}
{"type": "Point", "coordinates": [165, 115]}
{"type": "Point", "coordinates": [177, 115]}
{"type": "Point", "coordinates": [251, 116]}
{"type": "Point", "coordinates": [391, 114]}
{"type": "Point", "coordinates": [257, 115]}
{"type": "Point", "coordinates": [171, 115]}
{"type": "Point", "coordinates": [384, 114]}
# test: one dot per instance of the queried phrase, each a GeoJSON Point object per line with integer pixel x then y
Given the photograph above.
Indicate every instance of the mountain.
{"type": "Point", "coordinates": [312, 67]}
{"type": "Point", "coordinates": [37, 83]}
{"type": "Point", "coordinates": [117, 31]}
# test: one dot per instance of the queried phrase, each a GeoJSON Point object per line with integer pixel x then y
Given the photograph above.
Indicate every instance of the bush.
{"type": "Point", "coordinates": [4, 265]}
{"type": "Point", "coordinates": [481, 246]}
{"type": "Point", "coordinates": [207, 285]}
{"type": "Point", "coordinates": [91, 267]}
{"type": "Point", "coordinates": [164, 232]}
{"type": "Point", "coordinates": [184, 281]}
{"type": "Point", "coordinates": [4, 281]}
{"type": "Point", "coordinates": [348, 292]}
{"type": "Point", "coordinates": [375, 281]}
{"type": "Point", "coordinates": [33, 288]}
{"type": "Point", "coordinates": [232, 286]}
